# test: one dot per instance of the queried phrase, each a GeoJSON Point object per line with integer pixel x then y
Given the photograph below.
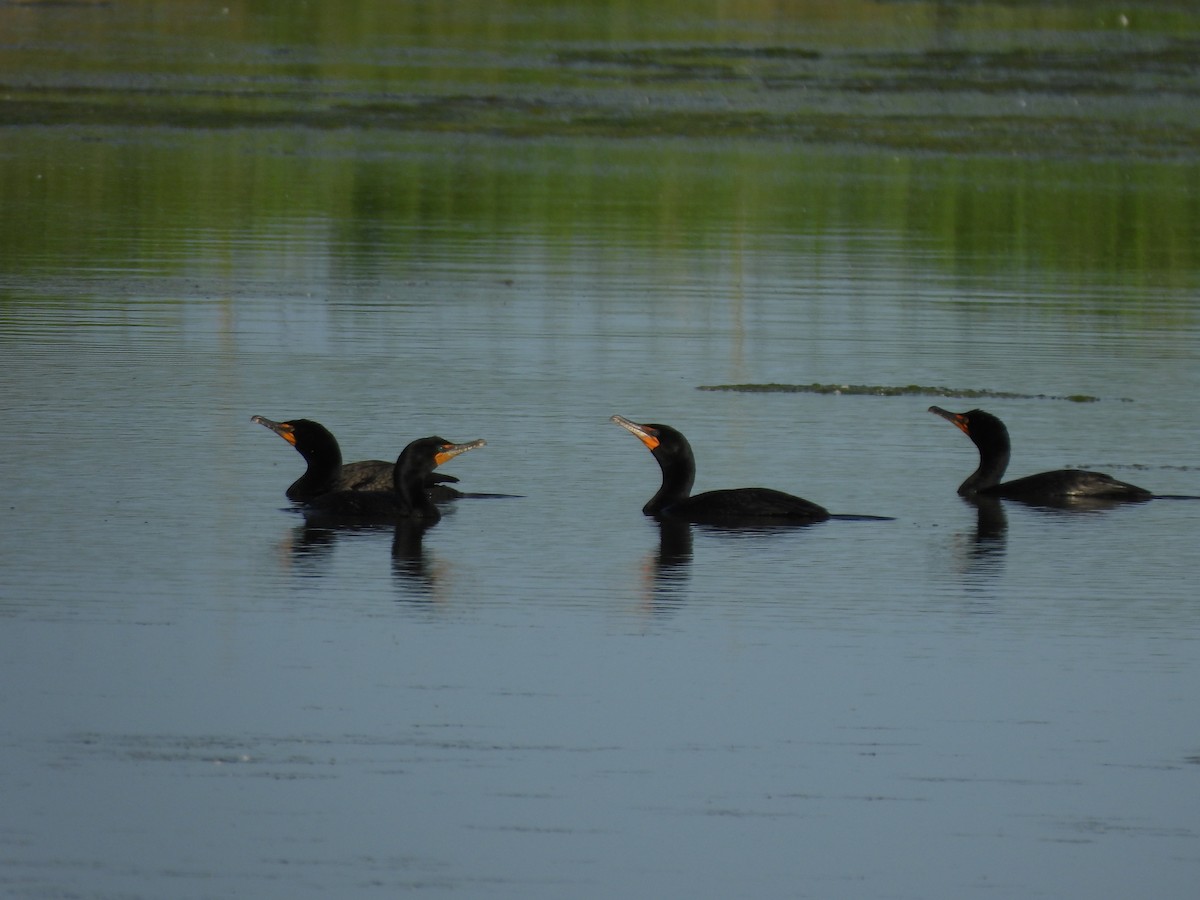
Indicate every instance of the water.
{"type": "Point", "coordinates": [548, 695]}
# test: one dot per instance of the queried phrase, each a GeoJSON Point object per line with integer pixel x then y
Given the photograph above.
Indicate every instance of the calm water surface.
{"type": "Point", "coordinates": [548, 695]}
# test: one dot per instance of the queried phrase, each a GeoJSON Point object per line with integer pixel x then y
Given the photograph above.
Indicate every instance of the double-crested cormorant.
{"type": "Point", "coordinates": [326, 472]}
{"type": "Point", "coordinates": [738, 505]}
{"type": "Point", "coordinates": [1063, 485]}
{"type": "Point", "coordinates": [407, 500]}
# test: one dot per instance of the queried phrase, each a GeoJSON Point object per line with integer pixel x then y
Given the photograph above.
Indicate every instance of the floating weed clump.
{"type": "Point", "coordinates": [883, 390]}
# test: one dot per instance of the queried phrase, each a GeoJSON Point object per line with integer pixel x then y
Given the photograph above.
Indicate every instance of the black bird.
{"type": "Point", "coordinates": [407, 500]}
{"type": "Point", "coordinates": [1058, 487]}
{"type": "Point", "coordinates": [326, 471]}
{"type": "Point", "coordinates": [753, 505]}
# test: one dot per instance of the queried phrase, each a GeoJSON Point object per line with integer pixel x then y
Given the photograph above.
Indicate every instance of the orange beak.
{"type": "Point", "coordinates": [647, 436]}
{"type": "Point", "coordinates": [958, 419]}
{"type": "Point", "coordinates": [283, 429]}
{"type": "Point", "coordinates": [449, 451]}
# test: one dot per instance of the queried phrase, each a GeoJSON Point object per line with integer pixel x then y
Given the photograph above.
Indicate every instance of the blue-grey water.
{"type": "Point", "coordinates": [549, 696]}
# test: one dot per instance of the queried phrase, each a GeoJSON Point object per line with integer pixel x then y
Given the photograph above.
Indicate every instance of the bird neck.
{"type": "Point", "coordinates": [409, 485]}
{"type": "Point", "coordinates": [324, 466]}
{"type": "Point", "coordinates": [993, 462]}
{"type": "Point", "coordinates": [678, 475]}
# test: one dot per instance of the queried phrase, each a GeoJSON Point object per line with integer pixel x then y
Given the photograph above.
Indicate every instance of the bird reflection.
{"type": "Point", "coordinates": [674, 550]}
{"type": "Point", "coordinates": [308, 548]}
{"type": "Point", "coordinates": [991, 522]}
{"type": "Point", "coordinates": [988, 543]}
{"type": "Point", "coordinates": [980, 552]}
{"type": "Point", "coordinates": [668, 568]}
{"type": "Point", "coordinates": [420, 577]}
{"type": "Point", "coordinates": [990, 540]}
{"type": "Point", "coordinates": [411, 568]}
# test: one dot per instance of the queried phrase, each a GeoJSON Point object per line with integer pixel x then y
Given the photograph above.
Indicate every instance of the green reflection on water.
{"type": "Point", "coordinates": [98, 196]}
{"type": "Point", "coordinates": [991, 138]}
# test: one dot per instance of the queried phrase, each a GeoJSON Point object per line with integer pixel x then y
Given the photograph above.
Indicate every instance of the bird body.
{"type": "Point", "coordinates": [751, 505]}
{"type": "Point", "coordinates": [1067, 484]}
{"type": "Point", "coordinates": [365, 475]}
{"type": "Point", "coordinates": [327, 473]}
{"type": "Point", "coordinates": [408, 498]}
{"type": "Point", "coordinates": [990, 436]}
{"type": "Point", "coordinates": [745, 505]}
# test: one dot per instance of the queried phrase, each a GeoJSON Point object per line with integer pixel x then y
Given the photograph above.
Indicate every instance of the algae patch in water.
{"type": "Point", "coordinates": [883, 390]}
